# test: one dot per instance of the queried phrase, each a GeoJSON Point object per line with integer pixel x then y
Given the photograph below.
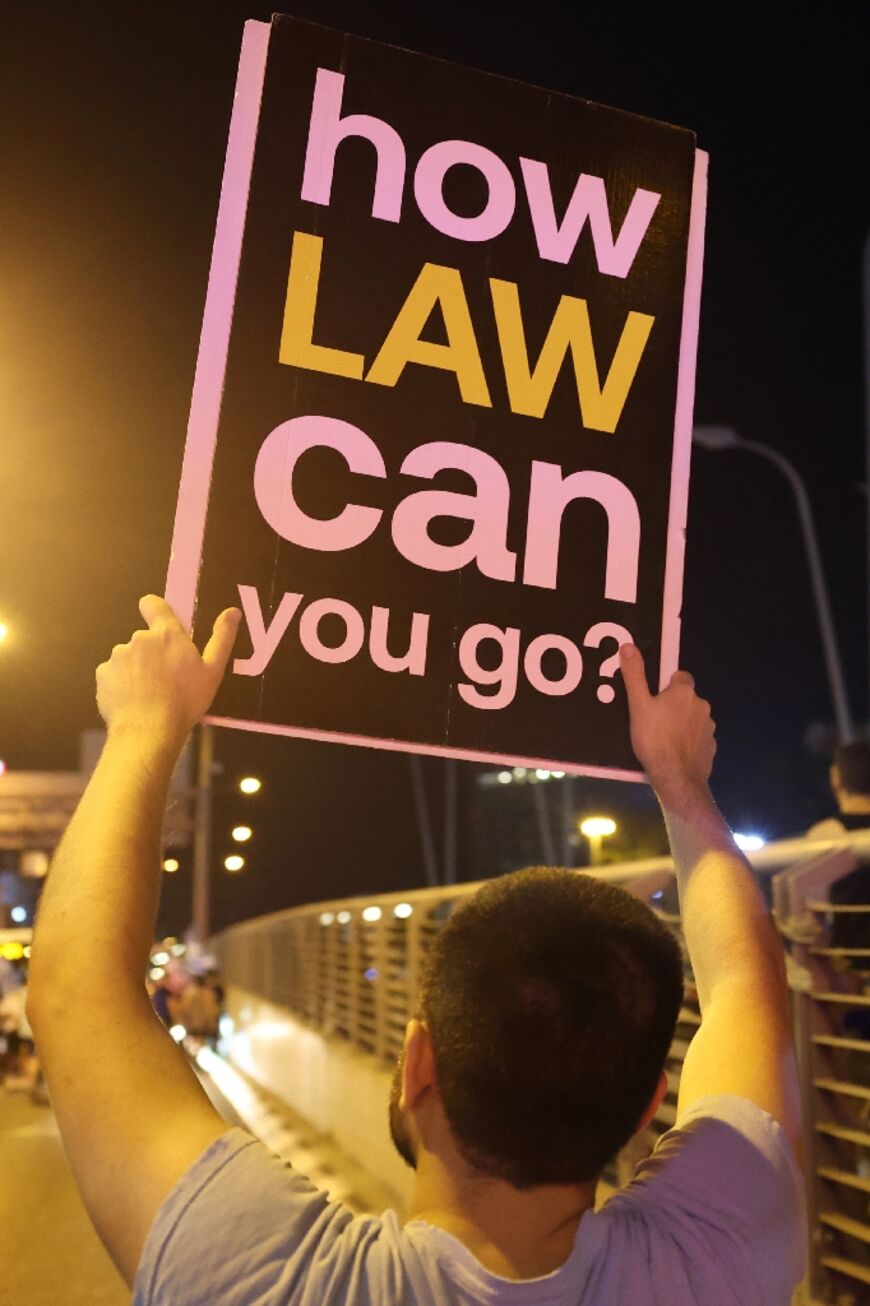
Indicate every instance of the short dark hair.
{"type": "Point", "coordinates": [853, 764]}
{"type": "Point", "coordinates": [551, 999]}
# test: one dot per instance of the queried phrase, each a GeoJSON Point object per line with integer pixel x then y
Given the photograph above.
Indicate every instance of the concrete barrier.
{"type": "Point", "coordinates": [338, 1090]}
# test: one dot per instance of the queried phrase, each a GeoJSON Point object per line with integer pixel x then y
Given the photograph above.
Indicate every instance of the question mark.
{"type": "Point", "coordinates": [593, 638]}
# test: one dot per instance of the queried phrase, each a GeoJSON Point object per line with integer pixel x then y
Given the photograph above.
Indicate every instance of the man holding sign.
{"type": "Point", "coordinates": [538, 1049]}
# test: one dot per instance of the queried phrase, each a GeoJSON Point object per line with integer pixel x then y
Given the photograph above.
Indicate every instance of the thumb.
{"type": "Point", "coordinates": [216, 653]}
{"type": "Point", "coordinates": [634, 676]}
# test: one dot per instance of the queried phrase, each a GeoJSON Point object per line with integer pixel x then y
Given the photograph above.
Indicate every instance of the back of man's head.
{"type": "Point", "coordinates": [853, 768]}
{"type": "Point", "coordinates": [551, 1000]}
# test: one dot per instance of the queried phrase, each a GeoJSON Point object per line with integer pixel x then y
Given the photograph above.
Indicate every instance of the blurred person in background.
{"type": "Point", "coordinates": [20, 1065]}
{"type": "Point", "coordinates": [9, 977]}
{"type": "Point", "coordinates": [197, 1009]}
{"type": "Point", "coordinates": [161, 995]}
{"type": "Point", "coordinates": [850, 786]}
{"type": "Point", "coordinates": [213, 980]}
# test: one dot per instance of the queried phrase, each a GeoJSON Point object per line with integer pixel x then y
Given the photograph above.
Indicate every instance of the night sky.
{"type": "Point", "coordinates": [112, 134]}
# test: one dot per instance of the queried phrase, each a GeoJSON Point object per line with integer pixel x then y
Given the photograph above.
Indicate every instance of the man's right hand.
{"type": "Point", "coordinates": [159, 677]}
{"type": "Point", "coordinates": [672, 733]}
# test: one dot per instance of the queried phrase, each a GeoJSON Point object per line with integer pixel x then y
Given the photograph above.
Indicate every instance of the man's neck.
{"type": "Point", "coordinates": [513, 1233]}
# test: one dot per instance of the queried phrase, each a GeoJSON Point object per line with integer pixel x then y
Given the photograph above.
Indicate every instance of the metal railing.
{"type": "Point", "coordinates": [350, 969]}
{"type": "Point", "coordinates": [829, 983]}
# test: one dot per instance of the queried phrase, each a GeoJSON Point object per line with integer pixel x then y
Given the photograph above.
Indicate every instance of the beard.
{"type": "Point", "coordinates": [399, 1131]}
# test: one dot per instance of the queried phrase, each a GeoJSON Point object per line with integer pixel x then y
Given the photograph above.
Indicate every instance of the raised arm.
{"type": "Point", "coordinates": [132, 1115]}
{"type": "Point", "coordinates": [744, 1045]}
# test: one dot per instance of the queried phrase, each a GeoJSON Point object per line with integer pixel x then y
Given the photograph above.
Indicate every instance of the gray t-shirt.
{"type": "Point", "coordinates": [715, 1217]}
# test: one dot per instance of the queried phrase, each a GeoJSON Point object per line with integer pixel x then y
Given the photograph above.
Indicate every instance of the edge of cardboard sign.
{"type": "Point", "coordinates": [195, 482]}
{"type": "Point", "coordinates": [679, 502]}
{"type": "Point", "coordinates": [427, 750]}
{"type": "Point", "coordinates": [205, 404]}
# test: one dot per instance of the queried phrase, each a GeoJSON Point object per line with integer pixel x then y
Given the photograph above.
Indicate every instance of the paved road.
{"type": "Point", "coordinates": [49, 1253]}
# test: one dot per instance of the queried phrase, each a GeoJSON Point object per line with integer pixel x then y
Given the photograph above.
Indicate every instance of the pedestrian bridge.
{"type": "Point", "coordinates": [317, 999]}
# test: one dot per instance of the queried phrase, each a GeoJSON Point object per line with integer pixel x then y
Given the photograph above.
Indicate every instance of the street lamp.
{"type": "Point", "coordinates": [725, 437]}
{"type": "Point", "coordinates": [595, 829]}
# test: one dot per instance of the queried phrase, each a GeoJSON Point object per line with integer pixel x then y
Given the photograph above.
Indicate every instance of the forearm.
{"type": "Point", "coordinates": [99, 905]}
{"type": "Point", "coordinates": [728, 930]}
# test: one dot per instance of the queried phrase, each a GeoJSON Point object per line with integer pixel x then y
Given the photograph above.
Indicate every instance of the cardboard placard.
{"type": "Point", "coordinates": [439, 438]}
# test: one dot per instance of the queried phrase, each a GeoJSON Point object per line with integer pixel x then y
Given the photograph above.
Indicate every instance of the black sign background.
{"type": "Point", "coordinates": [369, 266]}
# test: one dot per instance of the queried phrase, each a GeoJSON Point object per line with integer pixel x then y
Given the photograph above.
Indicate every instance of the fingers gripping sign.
{"type": "Point", "coordinates": [672, 733]}
{"type": "Point", "coordinates": [159, 679]}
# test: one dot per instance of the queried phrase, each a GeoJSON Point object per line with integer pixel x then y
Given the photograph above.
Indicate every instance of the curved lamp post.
{"type": "Point", "coordinates": [725, 437]}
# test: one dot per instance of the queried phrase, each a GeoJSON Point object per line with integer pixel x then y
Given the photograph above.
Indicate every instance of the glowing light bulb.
{"type": "Point", "coordinates": [594, 827]}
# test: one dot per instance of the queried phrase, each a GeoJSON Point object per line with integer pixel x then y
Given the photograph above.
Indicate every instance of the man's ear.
{"type": "Point", "coordinates": [418, 1065]}
{"type": "Point", "coordinates": [654, 1103]}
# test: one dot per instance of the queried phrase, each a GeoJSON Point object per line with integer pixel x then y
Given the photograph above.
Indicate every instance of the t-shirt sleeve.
{"type": "Point", "coordinates": [724, 1193]}
{"type": "Point", "coordinates": [242, 1228]}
